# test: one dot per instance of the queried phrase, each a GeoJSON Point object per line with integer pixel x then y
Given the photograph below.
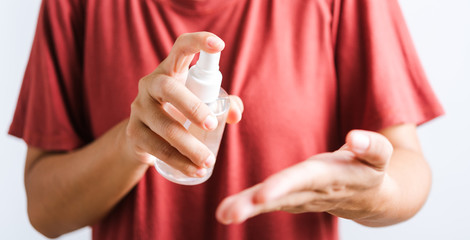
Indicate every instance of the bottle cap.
{"type": "Point", "coordinates": [208, 61]}
{"type": "Point", "coordinates": [204, 78]}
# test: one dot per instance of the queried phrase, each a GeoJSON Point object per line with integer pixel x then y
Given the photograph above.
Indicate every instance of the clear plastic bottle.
{"type": "Point", "coordinates": [204, 80]}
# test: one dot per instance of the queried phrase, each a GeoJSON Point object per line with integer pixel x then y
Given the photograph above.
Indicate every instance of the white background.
{"type": "Point", "coordinates": [441, 30]}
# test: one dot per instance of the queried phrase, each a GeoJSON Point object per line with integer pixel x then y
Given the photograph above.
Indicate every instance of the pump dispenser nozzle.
{"type": "Point", "coordinates": [204, 78]}
{"type": "Point", "coordinates": [208, 61]}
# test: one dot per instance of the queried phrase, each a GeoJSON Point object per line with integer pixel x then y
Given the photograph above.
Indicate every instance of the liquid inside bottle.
{"type": "Point", "coordinates": [211, 139]}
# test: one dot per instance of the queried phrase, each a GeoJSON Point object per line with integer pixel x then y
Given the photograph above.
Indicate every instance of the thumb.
{"type": "Point", "coordinates": [371, 147]}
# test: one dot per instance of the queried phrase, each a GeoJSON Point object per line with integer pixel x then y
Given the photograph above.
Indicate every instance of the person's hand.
{"type": "Point", "coordinates": [345, 183]}
{"type": "Point", "coordinates": [151, 131]}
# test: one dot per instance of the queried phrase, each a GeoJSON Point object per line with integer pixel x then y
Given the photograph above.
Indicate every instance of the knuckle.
{"type": "Point", "coordinates": [179, 42]}
{"type": "Point", "coordinates": [182, 36]}
{"type": "Point", "coordinates": [147, 87]}
{"type": "Point", "coordinates": [136, 113]}
{"type": "Point", "coordinates": [196, 109]}
{"type": "Point", "coordinates": [131, 132]}
{"type": "Point", "coordinates": [142, 84]}
{"type": "Point", "coordinates": [167, 86]}
{"type": "Point", "coordinates": [172, 131]}
{"type": "Point", "coordinates": [135, 106]}
{"type": "Point", "coordinates": [167, 152]}
{"type": "Point", "coordinates": [134, 137]}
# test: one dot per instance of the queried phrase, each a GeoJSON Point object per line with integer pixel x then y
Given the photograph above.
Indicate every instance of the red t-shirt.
{"type": "Point", "coordinates": [307, 71]}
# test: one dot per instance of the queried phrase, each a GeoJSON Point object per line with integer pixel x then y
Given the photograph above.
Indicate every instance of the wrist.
{"type": "Point", "coordinates": [369, 207]}
{"type": "Point", "coordinates": [383, 204]}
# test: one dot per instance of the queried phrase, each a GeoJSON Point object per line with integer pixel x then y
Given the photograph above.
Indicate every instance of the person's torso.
{"type": "Point", "coordinates": [278, 58]}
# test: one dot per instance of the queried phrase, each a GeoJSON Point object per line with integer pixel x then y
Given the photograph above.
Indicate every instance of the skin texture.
{"type": "Point", "coordinates": [366, 180]}
{"type": "Point", "coordinates": [374, 179]}
{"type": "Point", "coordinates": [70, 190]}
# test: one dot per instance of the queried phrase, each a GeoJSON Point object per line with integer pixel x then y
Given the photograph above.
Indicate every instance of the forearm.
{"type": "Point", "coordinates": [404, 191]}
{"type": "Point", "coordinates": [67, 191]}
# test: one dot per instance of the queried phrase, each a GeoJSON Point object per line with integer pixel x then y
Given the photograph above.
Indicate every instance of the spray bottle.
{"type": "Point", "coordinates": [204, 80]}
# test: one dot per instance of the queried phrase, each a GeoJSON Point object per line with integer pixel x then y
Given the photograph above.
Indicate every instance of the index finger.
{"type": "Point", "coordinates": [310, 175]}
{"type": "Point", "coordinates": [184, 49]}
{"type": "Point", "coordinates": [166, 83]}
{"type": "Point", "coordinates": [289, 180]}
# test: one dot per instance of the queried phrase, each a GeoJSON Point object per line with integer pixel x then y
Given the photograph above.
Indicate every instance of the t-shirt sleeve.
{"type": "Point", "coordinates": [380, 78]}
{"type": "Point", "coordinates": [50, 109]}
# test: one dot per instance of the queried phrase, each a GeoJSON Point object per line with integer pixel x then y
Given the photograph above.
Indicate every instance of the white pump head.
{"type": "Point", "coordinates": [204, 78]}
{"type": "Point", "coordinates": [209, 62]}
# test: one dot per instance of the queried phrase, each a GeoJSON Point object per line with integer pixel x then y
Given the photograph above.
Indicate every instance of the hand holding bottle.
{"type": "Point", "coordinates": [151, 131]}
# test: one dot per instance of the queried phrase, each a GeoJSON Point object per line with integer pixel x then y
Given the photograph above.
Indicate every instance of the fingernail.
{"type": "Point", "coordinates": [210, 122]}
{"type": "Point", "coordinates": [360, 142]}
{"type": "Point", "coordinates": [201, 172]}
{"type": "Point", "coordinates": [226, 221]}
{"type": "Point", "coordinates": [213, 42]}
{"type": "Point", "coordinates": [210, 161]}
